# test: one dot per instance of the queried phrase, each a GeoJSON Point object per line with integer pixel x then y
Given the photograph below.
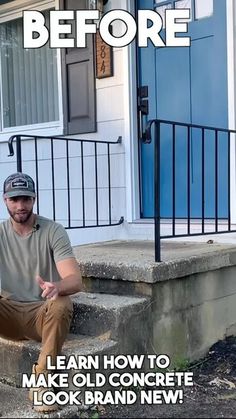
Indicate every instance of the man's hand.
{"type": "Point", "coordinates": [50, 290]}
{"type": "Point", "coordinates": [71, 280]}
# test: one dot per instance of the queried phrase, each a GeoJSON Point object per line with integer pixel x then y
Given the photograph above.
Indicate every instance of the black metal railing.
{"type": "Point", "coordinates": [89, 197]}
{"type": "Point", "coordinates": [201, 204]}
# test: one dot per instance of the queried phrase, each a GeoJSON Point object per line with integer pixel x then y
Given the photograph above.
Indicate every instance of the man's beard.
{"type": "Point", "coordinates": [20, 218]}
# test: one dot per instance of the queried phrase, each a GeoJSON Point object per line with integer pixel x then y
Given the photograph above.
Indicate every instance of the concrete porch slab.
{"type": "Point", "coordinates": [134, 260]}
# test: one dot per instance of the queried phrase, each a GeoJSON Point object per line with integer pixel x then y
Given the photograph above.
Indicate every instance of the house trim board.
{"type": "Point", "coordinates": [231, 58]}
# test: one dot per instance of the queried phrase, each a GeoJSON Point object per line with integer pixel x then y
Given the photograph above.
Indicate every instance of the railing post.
{"type": "Point", "coordinates": [157, 205]}
{"type": "Point", "coordinates": [18, 153]}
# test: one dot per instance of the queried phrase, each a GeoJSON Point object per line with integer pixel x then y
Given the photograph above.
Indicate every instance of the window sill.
{"type": "Point", "coordinates": [48, 129]}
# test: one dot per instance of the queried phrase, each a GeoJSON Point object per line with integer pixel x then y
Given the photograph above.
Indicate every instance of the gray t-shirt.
{"type": "Point", "coordinates": [23, 258]}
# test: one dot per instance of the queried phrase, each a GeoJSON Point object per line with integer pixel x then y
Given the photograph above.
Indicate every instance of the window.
{"type": "Point", "coordinates": [43, 88]}
{"type": "Point", "coordinates": [202, 8]}
{"type": "Point", "coordinates": [29, 93]}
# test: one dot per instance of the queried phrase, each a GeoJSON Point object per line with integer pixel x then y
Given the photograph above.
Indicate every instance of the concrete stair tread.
{"type": "Point", "coordinates": [15, 404]}
{"type": "Point", "coordinates": [109, 301]}
{"type": "Point", "coordinates": [17, 357]}
{"type": "Point", "coordinates": [88, 345]}
{"type": "Point", "coordinates": [75, 344]}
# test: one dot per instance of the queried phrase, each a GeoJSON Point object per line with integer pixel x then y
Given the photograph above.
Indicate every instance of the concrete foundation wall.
{"type": "Point", "coordinates": [188, 314]}
{"type": "Point", "coordinates": [192, 293]}
{"type": "Point", "coordinates": [192, 313]}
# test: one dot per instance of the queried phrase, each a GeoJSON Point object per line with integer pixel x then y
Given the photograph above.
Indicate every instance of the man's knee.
{"type": "Point", "coordinates": [11, 321]}
{"type": "Point", "coordinates": [61, 307]}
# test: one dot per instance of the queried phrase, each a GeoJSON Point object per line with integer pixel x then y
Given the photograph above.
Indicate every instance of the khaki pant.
{"type": "Point", "coordinates": [43, 321]}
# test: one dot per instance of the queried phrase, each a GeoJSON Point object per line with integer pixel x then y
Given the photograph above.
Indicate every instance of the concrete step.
{"type": "Point", "coordinates": [17, 357]}
{"type": "Point", "coordinates": [103, 324]}
{"type": "Point", "coordinates": [125, 318]}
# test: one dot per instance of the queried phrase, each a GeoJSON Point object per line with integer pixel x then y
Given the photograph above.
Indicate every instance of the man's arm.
{"type": "Point", "coordinates": [71, 280]}
{"type": "Point", "coordinates": [70, 274]}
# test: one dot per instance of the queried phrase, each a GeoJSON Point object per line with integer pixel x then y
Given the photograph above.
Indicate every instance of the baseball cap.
{"type": "Point", "coordinates": [18, 184]}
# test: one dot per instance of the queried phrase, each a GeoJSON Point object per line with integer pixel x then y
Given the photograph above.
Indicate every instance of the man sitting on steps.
{"type": "Point", "coordinates": [38, 273]}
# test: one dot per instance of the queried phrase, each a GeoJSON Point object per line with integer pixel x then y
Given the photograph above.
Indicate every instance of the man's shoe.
{"type": "Point", "coordinates": [42, 407]}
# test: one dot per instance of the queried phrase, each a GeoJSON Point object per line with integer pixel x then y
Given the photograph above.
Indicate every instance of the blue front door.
{"type": "Point", "coordinates": [187, 85]}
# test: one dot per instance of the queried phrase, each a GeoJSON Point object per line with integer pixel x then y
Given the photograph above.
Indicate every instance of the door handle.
{"type": "Point", "coordinates": [143, 110]}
